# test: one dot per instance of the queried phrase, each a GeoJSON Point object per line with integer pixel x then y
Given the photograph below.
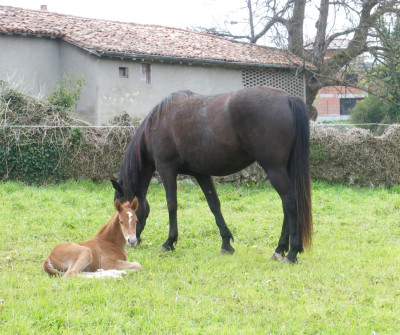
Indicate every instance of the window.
{"type": "Point", "coordinates": [352, 78]}
{"type": "Point", "coordinates": [347, 104]}
{"type": "Point", "coordinates": [123, 72]}
{"type": "Point", "coordinates": [146, 73]}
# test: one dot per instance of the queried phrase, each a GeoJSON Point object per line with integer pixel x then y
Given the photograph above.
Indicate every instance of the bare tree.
{"type": "Point", "coordinates": [355, 21]}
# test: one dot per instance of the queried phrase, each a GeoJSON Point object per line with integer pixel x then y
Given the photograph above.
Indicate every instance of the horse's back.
{"type": "Point", "coordinates": [222, 134]}
{"type": "Point", "coordinates": [263, 120]}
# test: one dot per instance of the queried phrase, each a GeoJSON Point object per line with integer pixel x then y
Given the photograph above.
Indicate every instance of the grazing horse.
{"type": "Point", "coordinates": [104, 253]}
{"type": "Point", "coordinates": [204, 136]}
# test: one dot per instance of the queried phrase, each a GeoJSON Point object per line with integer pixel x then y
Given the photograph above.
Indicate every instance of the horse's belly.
{"type": "Point", "coordinates": [217, 163]}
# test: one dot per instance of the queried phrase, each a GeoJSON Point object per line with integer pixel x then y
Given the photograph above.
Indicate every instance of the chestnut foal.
{"type": "Point", "coordinates": [104, 253]}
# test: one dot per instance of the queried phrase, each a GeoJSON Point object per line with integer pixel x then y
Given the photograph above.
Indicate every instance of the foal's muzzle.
{"type": "Point", "coordinates": [132, 242]}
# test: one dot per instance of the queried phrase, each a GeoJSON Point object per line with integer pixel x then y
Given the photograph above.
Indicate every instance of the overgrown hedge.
{"type": "Point", "coordinates": [352, 156]}
{"type": "Point", "coordinates": [43, 143]}
{"type": "Point", "coordinates": [41, 156]}
{"type": "Point", "coordinates": [55, 147]}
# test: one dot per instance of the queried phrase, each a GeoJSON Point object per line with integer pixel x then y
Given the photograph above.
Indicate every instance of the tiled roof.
{"type": "Point", "coordinates": [103, 37]}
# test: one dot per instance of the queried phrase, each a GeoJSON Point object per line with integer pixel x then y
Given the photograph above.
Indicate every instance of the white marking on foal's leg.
{"type": "Point", "coordinates": [51, 265]}
{"type": "Point", "coordinates": [103, 274]}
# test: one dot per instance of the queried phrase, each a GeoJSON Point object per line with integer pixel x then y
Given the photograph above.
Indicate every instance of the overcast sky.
{"type": "Point", "coordinates": [173, 13]}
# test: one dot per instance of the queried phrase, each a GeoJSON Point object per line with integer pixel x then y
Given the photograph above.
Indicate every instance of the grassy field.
{"type": "Point", "coordinates": [348, 284]}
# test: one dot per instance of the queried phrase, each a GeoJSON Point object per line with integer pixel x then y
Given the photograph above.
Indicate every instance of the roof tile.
{"type": "Point", "coordinates": [102, 36]}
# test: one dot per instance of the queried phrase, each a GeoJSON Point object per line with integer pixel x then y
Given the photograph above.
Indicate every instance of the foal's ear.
{"type": "Point", "coordinates": [134, 204]}
{"type": "Point", "coordinates": [117, 205]}
{"type": "Point", "coordinates": [117, 187]}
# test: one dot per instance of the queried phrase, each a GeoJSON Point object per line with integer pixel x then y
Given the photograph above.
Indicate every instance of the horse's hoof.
{"type": "Point", "coordinates": [167, 249]}
{"type": "Point", "coordinates": [277, 257]}
{"type": "Point", "coordinates": [226, 252]}
{"type": "Point", "coordinates": [288, 261]}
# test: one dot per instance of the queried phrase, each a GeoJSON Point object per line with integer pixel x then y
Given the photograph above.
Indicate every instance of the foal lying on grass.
{"type": "Point", "coordinates": [104, 253]}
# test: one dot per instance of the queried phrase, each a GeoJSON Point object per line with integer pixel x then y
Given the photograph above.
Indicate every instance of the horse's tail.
{"type": "Point", "coordinates": [299, 170]}
{"type": "Point", "coordinates": [49, 268]}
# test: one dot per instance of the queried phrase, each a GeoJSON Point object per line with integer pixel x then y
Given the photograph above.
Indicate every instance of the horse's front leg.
{"type": "Point", "coordinates": [207, 185]}
{"type": "Point", "coordinates": [127, 266]}
{"type": "Point", "coordinates": [168, 177]}
{"type": "Point", "coordinates": [143, 211]}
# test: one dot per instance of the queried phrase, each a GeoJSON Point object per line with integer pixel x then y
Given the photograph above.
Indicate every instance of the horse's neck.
{"type": "Point", "coordinates": [111, 232]}
{"type": "Point", "coordinates": [137, 171]}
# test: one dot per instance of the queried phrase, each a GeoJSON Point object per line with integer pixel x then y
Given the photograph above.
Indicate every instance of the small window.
{"type": "Point", "coordinates": [123, 72]}
{"type": "Point", "coordinates": [352, 78]}
{"type": "Point", "coordinates": [347, 104]}
{"type": "Point", "coordinates": [146, 73]}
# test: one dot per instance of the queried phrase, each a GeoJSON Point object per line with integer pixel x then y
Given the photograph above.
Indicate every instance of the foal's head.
{"type": "Point", "coordinates": [127, 220]}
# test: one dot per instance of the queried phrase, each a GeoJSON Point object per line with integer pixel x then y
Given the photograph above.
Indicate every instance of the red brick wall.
{"type": "Point", "coordinates": [327, 101]}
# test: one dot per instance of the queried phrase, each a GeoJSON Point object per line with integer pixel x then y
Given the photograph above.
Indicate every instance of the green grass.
{"type": "Point", "coordinates": [348, 284]}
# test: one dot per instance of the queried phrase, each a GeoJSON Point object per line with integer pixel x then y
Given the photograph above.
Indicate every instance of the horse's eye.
{"type": "Point", "coordinates": [121, 222]}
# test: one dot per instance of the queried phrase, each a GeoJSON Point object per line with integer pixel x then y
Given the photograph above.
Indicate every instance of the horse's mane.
{"type": "Point", "coordinates": [133, 162]}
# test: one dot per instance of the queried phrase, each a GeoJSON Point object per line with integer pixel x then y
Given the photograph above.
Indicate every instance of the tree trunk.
{"type": "Point", "coordinates": [295, 28]}
{"type": "Point", "coordinates": [312, 88]}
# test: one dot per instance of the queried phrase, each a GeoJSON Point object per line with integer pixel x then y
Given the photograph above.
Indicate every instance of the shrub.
{"type": "Point", "coordinates": [67, 93]}
{"type": "Point", "coordinates": [38, 154]}
{"type": "Point", "coordinates": [371, 110]}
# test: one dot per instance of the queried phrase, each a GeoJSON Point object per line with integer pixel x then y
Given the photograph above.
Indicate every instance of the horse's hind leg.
{"type": "Point", "coordinates": [81, 258]}
{"type": "Point", "coordinates": [283, 244]}
{"type": "Point", "coordinates": [279, 179]}
{"type": "Point", "coordinates": [207, 185]}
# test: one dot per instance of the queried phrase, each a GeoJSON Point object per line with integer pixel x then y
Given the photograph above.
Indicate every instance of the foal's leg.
{"type": "Point", "coordinates": [81, 257]}
{"type": "Point", "coordinates": [128, 266]}
{"type": "Point", "coordinates": [279, 179]}
{"type": "Point", "coordinates": [207, 185]}
{"type": "Point", "coordinates": [103, 274]}
{"type": "Point", "coordinates": [168, 176]}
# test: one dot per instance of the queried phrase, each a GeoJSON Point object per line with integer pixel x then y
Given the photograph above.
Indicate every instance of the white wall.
{"type": "Point", "coordinates": [138, 98]}
{"type": "Point", "coordinates": [31, 61]}
{"type": "Point", "coordinates": [82, 64]}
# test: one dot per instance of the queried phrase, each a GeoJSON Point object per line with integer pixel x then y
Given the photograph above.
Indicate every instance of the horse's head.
{"type": "Point", "coordinates": [127, 220]}
{"type": "Point", "coordinates": [143, 208]}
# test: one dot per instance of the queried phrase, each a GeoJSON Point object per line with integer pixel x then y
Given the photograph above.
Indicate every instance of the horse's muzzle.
{"type": "Point", "coordinates": [132, 242]}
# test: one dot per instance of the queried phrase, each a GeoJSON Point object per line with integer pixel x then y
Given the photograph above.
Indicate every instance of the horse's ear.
{"type": "Point", "coordinates": [134, 204]}
{"type": "Point", "coordinates": [117, 205]}
{"type": "Point", "coordinates": [117, 187]}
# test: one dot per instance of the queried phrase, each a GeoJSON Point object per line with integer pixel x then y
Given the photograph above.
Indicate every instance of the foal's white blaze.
{"type": "Point", "coordinates": [131, 240]}
{"type": "Point", "coordinates": [130, 219]}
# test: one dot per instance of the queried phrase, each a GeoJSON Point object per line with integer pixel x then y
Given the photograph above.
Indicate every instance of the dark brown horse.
{"type": "Point", "coordinates": [204, 136]}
